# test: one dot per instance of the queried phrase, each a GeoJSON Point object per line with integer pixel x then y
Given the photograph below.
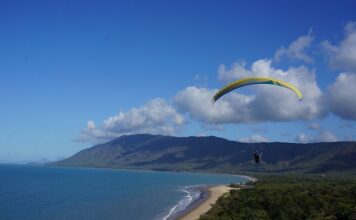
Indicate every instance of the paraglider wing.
{"type": "Point", "coordinates": [255, 80]}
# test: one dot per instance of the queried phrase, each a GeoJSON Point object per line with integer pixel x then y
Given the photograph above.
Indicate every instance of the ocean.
{"type": "Point", "coordinates": [42, 193]}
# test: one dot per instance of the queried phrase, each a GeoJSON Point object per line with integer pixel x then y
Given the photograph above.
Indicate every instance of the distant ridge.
{"type": "Point", "coordinates": [214, 154]}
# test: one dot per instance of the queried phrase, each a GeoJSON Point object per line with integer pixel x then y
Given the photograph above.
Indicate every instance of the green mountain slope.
{"type": "Point", "coordinates": [215, 154]}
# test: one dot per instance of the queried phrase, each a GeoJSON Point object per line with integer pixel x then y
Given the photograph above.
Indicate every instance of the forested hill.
{"type": "Point", "coordinates": [215, 154]}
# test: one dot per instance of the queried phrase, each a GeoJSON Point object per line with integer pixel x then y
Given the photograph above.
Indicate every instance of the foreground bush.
{"type": "Point", "coordinates": [289, 198]}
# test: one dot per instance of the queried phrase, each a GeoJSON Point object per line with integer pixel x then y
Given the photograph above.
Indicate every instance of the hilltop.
{"type": "Point", "coordinates": [214, 154]}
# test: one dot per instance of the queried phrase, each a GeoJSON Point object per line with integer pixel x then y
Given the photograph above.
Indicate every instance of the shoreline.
{"type": "Point", "coordinates": [203, 196]}
{"type": "Point", "coordinates": [250, 178]}
{"type": "Point", "coordinates": [208, 194]}
{"type": "Point", "coordinates": [212, 194]}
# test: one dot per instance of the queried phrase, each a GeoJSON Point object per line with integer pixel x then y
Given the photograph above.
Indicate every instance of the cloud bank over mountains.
{"type": "Point", "coordinates": [155, 117]}
{"type": "Point", "coordinates": [263, 103]}
{"type": "Point", "coordinates": [324, 136]}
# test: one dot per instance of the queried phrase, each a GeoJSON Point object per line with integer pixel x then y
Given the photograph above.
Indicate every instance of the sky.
{"type": "Point", "coordinates": [78, 73]}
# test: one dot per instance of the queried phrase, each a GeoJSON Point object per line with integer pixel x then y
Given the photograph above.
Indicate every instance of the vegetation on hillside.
{"type": "Point", "coordinates": [213, 154]}
{"type": "Point", "coordinates": [289, 197]}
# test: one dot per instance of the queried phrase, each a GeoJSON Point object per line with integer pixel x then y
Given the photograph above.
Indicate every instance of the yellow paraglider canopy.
{"type": "Point", "coordinates": [255, 80]}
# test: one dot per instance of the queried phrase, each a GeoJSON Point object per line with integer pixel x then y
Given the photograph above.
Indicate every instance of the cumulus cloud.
{"type": "Point", "coordinates": [268, 103]}
{"type": "Point", "coordinates": [314, 126]}
{"type": "Point", "coordinates": [156, 117]}
{"type": "Point", "coordinates": [237, 70]}
{"type": "Point", "coordinates": [197, 103]}
{"type": "Point", "coordinates": [265, 102]}
{"type": "Point", "coordinates": [324, 136]}
{"type": "Point", "coordinates": [341, 95]}
{"type": "Point", "coordinates": [256, 138]}
{"type": "Point", "coordinates": [343, 55]}
{"type": "Point", "coordinates": [297, 49]}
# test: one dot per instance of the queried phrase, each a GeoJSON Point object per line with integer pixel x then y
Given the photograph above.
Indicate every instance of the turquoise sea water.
{"type": "Point", "coordinates": [39, 192]}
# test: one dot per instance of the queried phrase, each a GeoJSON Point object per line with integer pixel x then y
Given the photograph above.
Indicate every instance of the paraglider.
{"type": "Point", "coordinates": [255, 80]}
{"type": "Point", "coordinates": [257, 155]}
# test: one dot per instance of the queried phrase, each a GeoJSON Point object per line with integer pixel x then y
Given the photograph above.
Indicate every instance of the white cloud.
{"type": "Point", "coordinates": [235, 72]}
{"type": "Point", "coordinates": [296, 49]}
{"type": "Point", "coordinates": [343, 56]}
{"type": "Point", "coordinates": [324, 136]}
{"type": "Point", "coordinates": [314, 126]}
{"type": "Point", "coordinates": [201, 134]}
{"type": "Point", "coordinates": [256, 138]}
{"type": "Point", "coordinates": [259, 103]}
{"type": "Point", "coordinates": [197, 103]}
{"type": "Point", "coordinates": [302, 138]}
{"type": "Point", "coordinates": [156, 117]}
{"type": "Point", "coordinates": [341, 95]}
{"type": "Point", "coordinates": [269, 103]}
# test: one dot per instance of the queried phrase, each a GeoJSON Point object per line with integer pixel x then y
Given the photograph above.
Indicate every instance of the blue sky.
{"type": "Point", "coordinates": [76, 73]}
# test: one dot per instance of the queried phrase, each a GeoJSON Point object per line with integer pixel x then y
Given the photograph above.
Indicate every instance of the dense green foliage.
{"type": "Point", "coordinates": [291, 197]}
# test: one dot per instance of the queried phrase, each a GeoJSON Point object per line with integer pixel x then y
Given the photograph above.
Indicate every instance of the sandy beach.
{"type": "Point", "coordinates": [214, 193]}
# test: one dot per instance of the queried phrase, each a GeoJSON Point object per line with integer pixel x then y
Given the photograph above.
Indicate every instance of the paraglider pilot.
{"type": "Point", "coordinates": [257, 155]}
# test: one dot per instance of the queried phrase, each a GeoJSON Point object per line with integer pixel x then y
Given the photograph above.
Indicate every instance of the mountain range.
{"type": "Point", "coordinates": [214, 154]}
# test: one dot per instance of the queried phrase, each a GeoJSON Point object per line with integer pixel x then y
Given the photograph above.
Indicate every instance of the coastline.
{"type": "Point", "coordinates": [251, 179]}
{"type": "Point", "coordinates": [213, 193]}
{"type": "Point", "coordinates": [210, 195]}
